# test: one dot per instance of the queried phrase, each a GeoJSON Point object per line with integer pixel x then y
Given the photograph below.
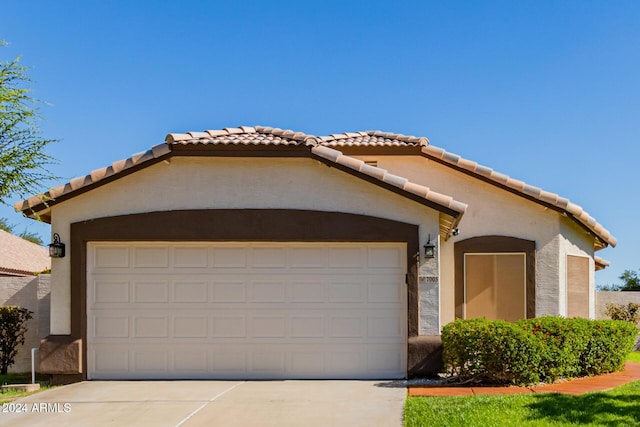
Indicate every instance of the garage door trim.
{"type": "Point", "coordinates": [284, 225]}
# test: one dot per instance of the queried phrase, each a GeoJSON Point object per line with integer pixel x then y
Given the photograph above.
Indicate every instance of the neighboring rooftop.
{"type": "Point", "coordinates": [20, 257]}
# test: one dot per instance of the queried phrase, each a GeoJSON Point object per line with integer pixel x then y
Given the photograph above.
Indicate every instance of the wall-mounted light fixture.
{"type": "Point", "coordinates": [430, 249]}
{"type": "Point", "coordinates": [56, 249]}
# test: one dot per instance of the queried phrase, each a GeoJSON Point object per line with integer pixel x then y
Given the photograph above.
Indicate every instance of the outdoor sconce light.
{"type": "Point", "coordinates": [56, 249]}
{"type": "Point", "coordinates": [430, 249]}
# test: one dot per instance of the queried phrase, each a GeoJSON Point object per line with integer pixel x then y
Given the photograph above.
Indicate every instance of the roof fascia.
{"type": "Point", "coordinates": [599, 244]}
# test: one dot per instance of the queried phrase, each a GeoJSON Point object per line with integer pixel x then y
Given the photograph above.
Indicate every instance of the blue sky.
{"type": "Point", "coordinates": [545, 91]}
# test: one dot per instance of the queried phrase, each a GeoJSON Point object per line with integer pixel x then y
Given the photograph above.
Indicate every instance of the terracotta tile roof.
{"type": "Point", "coordinates": [447, 222]}
{"type": "Point", "coordinates": [373, 138]}
{"type": "Point", "coordinates": [243, 135]}
{"type": "Point", "coordinates": [19, 257]}
{"type": "Point", "coordinates": [450, 210]}
{"type": "Point", "coordinates": [246, 136]}
{"type": "Point", "coordinates": [570, 209]}
{"type": "Point", "coordinates": [601, 263]}
{"type": "Point", "coordinates": [96, 176]}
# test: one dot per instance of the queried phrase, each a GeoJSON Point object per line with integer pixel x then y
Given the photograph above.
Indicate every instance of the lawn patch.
{"type": "Point", "coordinates": [620, 406]}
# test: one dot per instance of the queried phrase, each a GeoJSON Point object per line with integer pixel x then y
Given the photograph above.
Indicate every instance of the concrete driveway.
{"type": "Point", "coordinates": [211, 403]}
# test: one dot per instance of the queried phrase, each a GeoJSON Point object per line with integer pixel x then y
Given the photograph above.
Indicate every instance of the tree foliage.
{"type": "Point", "coordinates": [13, 327]}
{"type": "Point", "coordinates": [26, 234]}
{"type": "Point", "coordinates": [23, 160]}
{"type": "Point", "coordinates": [630, 282]}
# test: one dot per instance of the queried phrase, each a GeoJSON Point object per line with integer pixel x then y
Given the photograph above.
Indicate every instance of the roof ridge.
{"type": "Point", "coordinates": [422, 140]}
{"type": "Point", "coordinates": [194, 137]}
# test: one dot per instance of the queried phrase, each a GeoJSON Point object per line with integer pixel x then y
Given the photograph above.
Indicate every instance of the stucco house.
{"type": "Point", "coordinates": [255, 252]}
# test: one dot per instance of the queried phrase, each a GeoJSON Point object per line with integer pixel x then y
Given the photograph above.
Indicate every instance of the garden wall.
{"type": "Point", "coordinates": [32, 293]}
{"type": "Point", "coordinates": [605, 297]}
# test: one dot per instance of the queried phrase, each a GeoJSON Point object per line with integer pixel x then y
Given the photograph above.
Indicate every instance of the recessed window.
{"type": "Point", "coordinates": [577, 286]}
{"type": "Point", "coordinates": [495, 286]}
{"type": "Point", "coordinates": [371, 163]}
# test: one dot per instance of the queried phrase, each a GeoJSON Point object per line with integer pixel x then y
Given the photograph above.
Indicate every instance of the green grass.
{"type": "Point", "coordinates": [618, 407]}
{"type": "Point", "coordinates": [634, 356]}
{"type": "Point", "coordinates": [21, 378]}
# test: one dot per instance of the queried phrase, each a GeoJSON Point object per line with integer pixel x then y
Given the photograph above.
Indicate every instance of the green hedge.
{"type": "Point", "coordinates": [533, 350]}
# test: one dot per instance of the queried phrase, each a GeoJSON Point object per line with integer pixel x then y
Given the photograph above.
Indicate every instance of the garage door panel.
{"type": "Point", "coordinates": [151, 257]}
{"type": "Point", "coordinates": [150, 327]}
{"type": "Point", "coordinates": [308, 257]}
{"type": "Point", "coordinates": [272, 291]}
{"type": "Point", "coordinates": [267, 361]}
{"type": "Point", "coordinates": [229, 291]}
{"type": "Point", "coordinates": [384, 257]}
{"type": "Point", "coordinates": [194, 362]}
{"type": "Point", "coordinates": [110, 326]}
{"type": "Point", "coordinates": [300, 291]}
{"type": "Point", "coordinates": [238, 310]}
{"type": "Point", "coordinates": [192, 291]}
{"type": "Point", "coordinates": [107, 291]}
{"type": "Point", "coordinates": [229, 326]}
{"type": "Point", "coordinates": [381, 290]}
{"type": "Point", "coordinates": [346, 257]}
{"type": "Point", "coordinates": [268, 257]}
{"type": "Point", "coordinates": [229, 363]}
{"type": "Point", "coordinates": [111, 257]}
{"type": "Point", "coordinates": [231, 257]}
{"type": "Point", "coordinates": [268, 327]}
{"type": "Point", "coordinates": [306, 326]}
{"type": "Point", "coordinates": [190, 257]}
{"type": "Point", "coordinates": [150, 291]}
{"type": "Point", "coordinates": [346, 292]}
{"type": "Point", "coordinates": [190, 326]}
{"type": "Point", "coordinates": [110, 360]}
{"type": "Point", "coordinates": [150, 361]}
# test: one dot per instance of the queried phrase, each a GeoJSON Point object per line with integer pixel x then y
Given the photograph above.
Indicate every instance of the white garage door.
{"type": "Point", "coordinates": [251, 311]}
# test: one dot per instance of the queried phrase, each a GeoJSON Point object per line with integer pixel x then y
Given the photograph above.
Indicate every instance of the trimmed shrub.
{"type": "Point", "coordinates": [13, 326]}
{"type": "Point", "coordinates": [563, 341]}
{"type": "Point", "coordinates": [629, 312]}
{"type": "Point", "coordinates": [491, 351]}
{"type": "Point", "coordinates": [610, 341]}
{"type": "Point", "coordinates": [533, 350]}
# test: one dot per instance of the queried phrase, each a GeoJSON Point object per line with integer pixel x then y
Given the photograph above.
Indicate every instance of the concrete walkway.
{"type": "Point", "coordinates": [211, 403]}
{"type": "Point", "coordinates": [605, 382]}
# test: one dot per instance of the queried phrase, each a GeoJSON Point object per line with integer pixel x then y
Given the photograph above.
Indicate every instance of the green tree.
{"type": "Point", "coordinates": [631, 281]}
{"type": "Point", "coordinates": [23, 160]}
{"type": "Point", "coordinates": [5, 226]}
{"type": "Point", "coordinates": [31, 237]}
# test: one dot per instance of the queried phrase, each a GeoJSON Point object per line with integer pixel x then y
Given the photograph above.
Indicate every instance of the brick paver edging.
{"type": "Point", "coordinates": [604, 382]}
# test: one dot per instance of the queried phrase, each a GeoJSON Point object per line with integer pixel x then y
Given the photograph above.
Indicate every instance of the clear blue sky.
{"type": "Point", "coordinates": [545, 91]}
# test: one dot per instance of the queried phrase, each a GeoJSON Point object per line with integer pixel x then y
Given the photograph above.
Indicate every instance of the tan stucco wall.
{"type": "Point", "coordinates": [31, 293]}
{"type": "Point", "coordinates": [201, 183]}
{"type": "Point", "coordinates": [494, 211]}
{"type": "Point", "coordinates": [575, 241]}
{"type": "Point", "coordinates": [622, 298]}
